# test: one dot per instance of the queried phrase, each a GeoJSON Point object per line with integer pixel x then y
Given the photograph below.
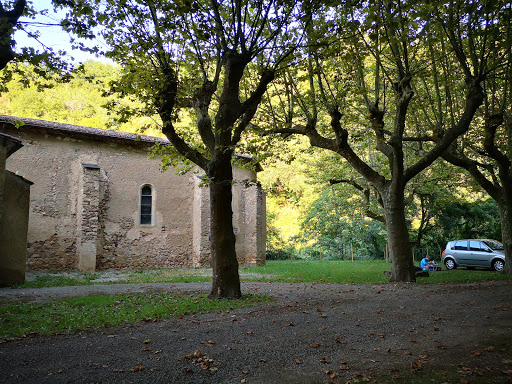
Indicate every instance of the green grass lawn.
{"type": "Point", "coordinates": [69, 315]}
{"type": "Point", "coordinates": [82, 313]}
{"type": "Point", "coordinates": [347, 272]}
{"type": "Point", "coordinates": [358, 272]}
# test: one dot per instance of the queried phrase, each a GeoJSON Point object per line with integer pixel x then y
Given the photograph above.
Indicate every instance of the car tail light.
{"type": "Point", "coordinates": [443, 252]}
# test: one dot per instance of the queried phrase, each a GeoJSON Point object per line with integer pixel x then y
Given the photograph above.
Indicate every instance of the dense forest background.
{"type": "Point", "coordinates": [316, 208]}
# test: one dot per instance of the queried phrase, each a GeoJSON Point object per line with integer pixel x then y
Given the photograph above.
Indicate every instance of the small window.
{"type": "Point", "coordinates": [474, 246]}
{"type": "Point", "coordinates": [146, 205]}
{"type": "Point", "coordinates": [461, 246]}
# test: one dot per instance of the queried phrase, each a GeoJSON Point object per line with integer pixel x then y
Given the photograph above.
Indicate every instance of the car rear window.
{"type": "Point", "coordinates": [461, 246]}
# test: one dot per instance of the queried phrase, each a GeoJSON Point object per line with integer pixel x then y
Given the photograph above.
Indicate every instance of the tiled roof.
{"type": "Point", "coordinates": [97, 133]}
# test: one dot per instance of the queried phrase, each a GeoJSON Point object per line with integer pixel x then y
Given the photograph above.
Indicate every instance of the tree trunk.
{"type": "Point", "coordinates": [505, 206]}
{"type": "Point", "coordinates": [398, 236]}
{"type": "Point", "coordinates": [226, 281]}
{"type": "Point", "coordinates": [8, 20]}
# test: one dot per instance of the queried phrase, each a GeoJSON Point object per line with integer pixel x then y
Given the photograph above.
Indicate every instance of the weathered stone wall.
{"type": "Point", "coordinates": [3, 158]}
{"type": "Point", "coordinates": [85, 206]}
{"type": "Point", "coordinates": [104, 225]}
{"type": "Point", "coordinates": [13, 229]}
{"type": "Point", "coordinates": [14, 207]}
{"type": "Point", "coordinates": [249, 222]}
{"type": "Point", "coordinates": [248, 217]}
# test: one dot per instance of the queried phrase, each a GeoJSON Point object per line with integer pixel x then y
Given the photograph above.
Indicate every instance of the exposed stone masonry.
{"type": "Point", "coordinates": [85, 203]}
{"type": "Point", "coordinates": [88, 218]}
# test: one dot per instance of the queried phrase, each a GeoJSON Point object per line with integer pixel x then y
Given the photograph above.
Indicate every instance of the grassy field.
{"type": "Point", "coordinates": [81, 313]}
{"type": "Point", "coordinates": [17, 319]}
{"type": "Point", "coordinates": [93, 312]}
{"type": "Point", "coordinates": [359, 272]}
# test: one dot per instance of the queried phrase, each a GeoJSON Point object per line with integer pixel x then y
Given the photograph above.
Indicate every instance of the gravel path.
{"type": "Point", "coordinates": [310, 333]}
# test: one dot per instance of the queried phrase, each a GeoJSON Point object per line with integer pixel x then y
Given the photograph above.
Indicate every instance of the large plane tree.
{"type": "Point", "coordinates": [215, 57]}
{"type": "Point", "coordinates": [367, 76]}
{"type": "Point", "coordinates": [485, 152]}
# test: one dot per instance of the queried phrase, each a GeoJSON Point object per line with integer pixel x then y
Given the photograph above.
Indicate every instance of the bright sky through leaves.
{"type": "Point", "coordinates": [51, 36]}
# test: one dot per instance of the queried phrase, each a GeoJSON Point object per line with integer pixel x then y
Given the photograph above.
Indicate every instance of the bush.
{"type": "Point", "coordinates": [277, 254]}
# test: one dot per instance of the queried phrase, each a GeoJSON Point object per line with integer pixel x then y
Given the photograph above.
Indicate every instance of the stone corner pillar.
{"type": "Point", "coordinates": [88, 220]}
{"type": "Point", "coordinates": [200, 224]}
{"type": "Point", "coordinates": [261, 226]}
{"type": "Point", "coordinates": [249, 203]}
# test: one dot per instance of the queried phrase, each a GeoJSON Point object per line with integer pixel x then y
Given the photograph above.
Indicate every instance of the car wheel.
{"type": "Point", "coordinates": [450, 264]}
{"type": "Point", "coordinates": [498, 265]}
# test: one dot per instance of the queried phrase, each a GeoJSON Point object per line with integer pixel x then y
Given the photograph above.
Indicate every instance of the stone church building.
{"type": "Point", "coordinates": [97, 202]}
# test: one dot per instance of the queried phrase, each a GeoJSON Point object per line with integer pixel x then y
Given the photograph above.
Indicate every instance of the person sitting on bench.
{"type": "Point", "coordinates": [425, 263]}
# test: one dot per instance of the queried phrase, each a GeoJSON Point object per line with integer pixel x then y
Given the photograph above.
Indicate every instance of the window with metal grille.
{"type": "Point", "coordinates": [146, 205]}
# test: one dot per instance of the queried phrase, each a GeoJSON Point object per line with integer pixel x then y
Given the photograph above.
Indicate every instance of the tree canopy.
{"type": "Point", "coordinates": [373, 72]}
{"type": "Point", "coordinates": [385, 87]}
{"type": "Point", "coordinates": [215, 58]}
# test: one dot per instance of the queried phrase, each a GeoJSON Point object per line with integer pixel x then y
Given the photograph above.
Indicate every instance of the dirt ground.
{"type": "Point", "coordinates": [309, 333]}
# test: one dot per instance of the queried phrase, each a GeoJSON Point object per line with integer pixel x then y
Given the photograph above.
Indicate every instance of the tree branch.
{"type": "Point", "coordinates": [474, 99]}
{"type": "Point", "coordinates": [472, 167]}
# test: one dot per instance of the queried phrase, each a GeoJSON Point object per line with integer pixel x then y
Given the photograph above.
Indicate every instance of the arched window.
{"type": "Point", "coordinates": [146, 205]}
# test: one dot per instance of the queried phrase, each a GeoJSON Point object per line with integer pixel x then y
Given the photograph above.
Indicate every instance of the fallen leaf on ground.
{"type": "Point", "coordinates": [137, 368]}
{"type": "Point", "coordinates": [325, 361]}
{"type": "Point", "coordinates": [416, 364]}
{"type": "Point", "coordinates": [312, 345]}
